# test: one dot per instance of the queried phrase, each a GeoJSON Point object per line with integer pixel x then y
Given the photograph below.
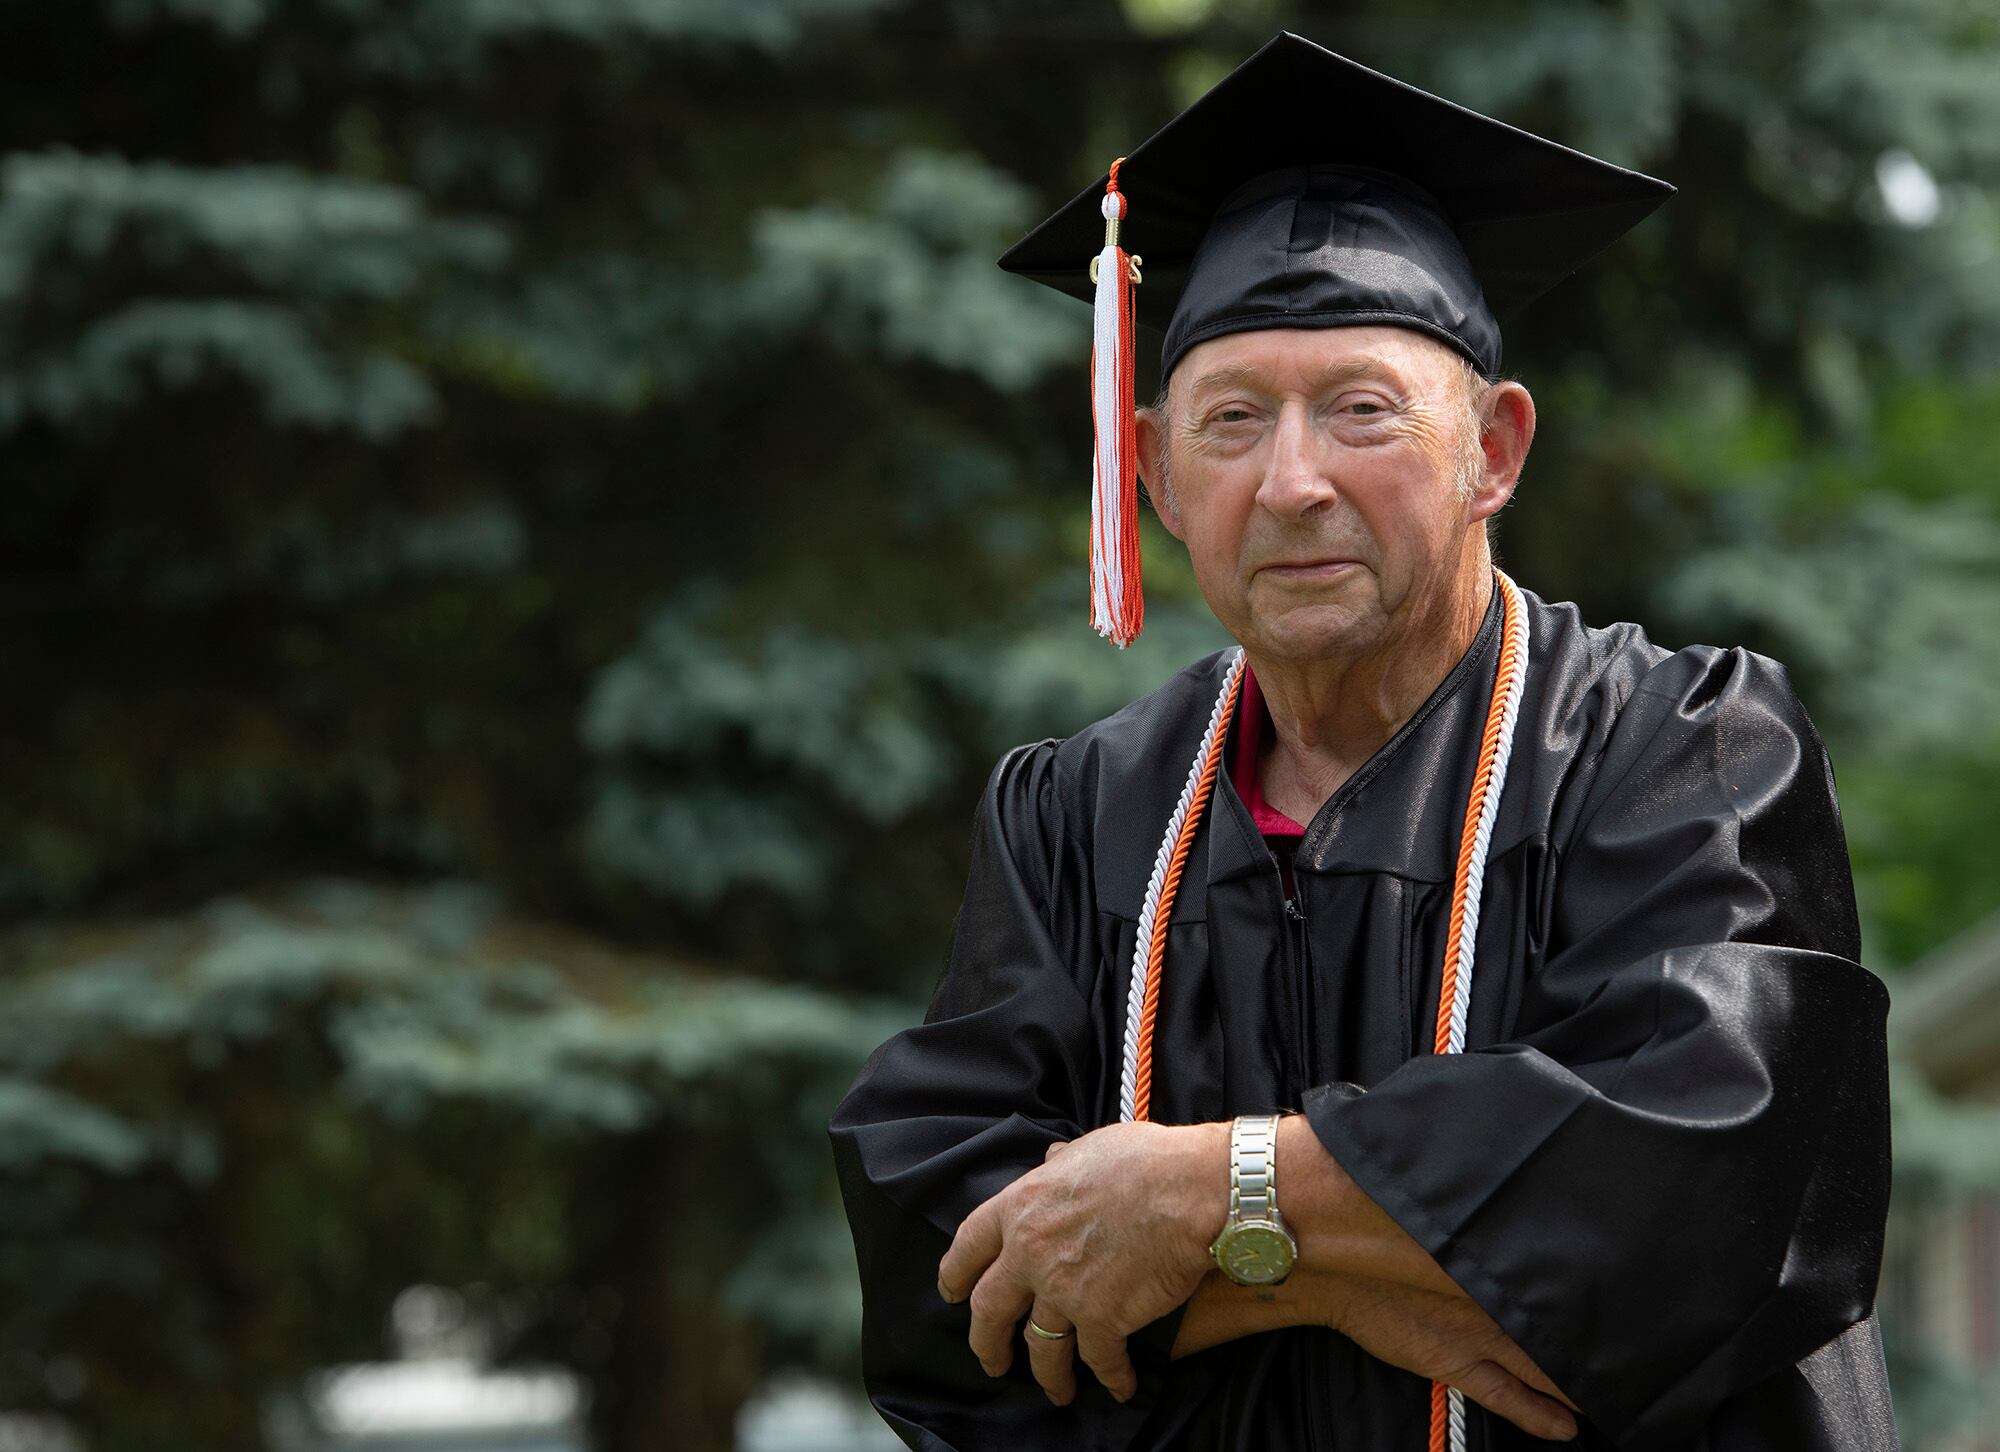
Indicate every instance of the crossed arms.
{"type": "Point", "coordinates": [1113, 1231]}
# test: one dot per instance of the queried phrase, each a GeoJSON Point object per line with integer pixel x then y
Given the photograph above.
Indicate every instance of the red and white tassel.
{"type": "Point", "coordinates": [1117, 608]}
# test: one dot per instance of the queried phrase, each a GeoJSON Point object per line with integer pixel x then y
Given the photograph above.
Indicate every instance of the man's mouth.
{"type": "Point", "coordinates": [1309, 569]}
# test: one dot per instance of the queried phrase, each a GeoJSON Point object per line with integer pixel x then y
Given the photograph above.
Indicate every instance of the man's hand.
{"type": "Point", "coordinates": [1449, 1338]}
{"type": "Point", "coordinates": [1110, 1233]}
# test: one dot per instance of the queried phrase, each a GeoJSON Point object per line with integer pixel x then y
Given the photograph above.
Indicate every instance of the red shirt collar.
{"type": "Point", "coordinates": [1253, 720]}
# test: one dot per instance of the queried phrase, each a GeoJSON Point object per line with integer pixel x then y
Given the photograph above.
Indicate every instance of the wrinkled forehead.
{"type": "Point", "coordinates": [1319, 359]}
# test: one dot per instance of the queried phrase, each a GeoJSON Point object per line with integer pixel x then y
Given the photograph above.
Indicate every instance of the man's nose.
{"type": "Point", "coordinates": [1295, 481]}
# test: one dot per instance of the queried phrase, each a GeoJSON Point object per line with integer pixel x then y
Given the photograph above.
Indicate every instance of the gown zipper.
{"type": "Point", "coordinates": [1298, 962]}
{"type": "Point", "coordinates": [1298, 956]}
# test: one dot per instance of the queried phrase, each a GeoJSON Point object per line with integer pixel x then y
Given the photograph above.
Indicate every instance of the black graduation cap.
{"type": "Point", "coordinates": [1306, 190]}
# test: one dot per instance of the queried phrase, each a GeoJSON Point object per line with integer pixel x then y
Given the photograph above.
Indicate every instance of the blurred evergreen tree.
{"type": "Point", "coordinates": [585, 449]}
{"type": "Point", "coordinates": [229, 1138]}
{"type": "Point", "coordinates": [574, 449]}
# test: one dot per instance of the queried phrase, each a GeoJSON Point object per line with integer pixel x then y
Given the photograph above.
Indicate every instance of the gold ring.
{"type": "Point", "coordinates": [1050, 1335]}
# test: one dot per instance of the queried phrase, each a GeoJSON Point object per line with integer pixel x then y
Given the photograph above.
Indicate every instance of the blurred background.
{"type": "Point", "coordinates": [526, 525]}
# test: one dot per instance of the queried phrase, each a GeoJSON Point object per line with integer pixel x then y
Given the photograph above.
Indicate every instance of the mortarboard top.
{"type": "Point", "coordinates": [1352, 198]}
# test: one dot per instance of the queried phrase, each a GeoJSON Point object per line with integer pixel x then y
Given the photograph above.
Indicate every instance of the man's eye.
{"type": "Point", "coordinates": [1232, 415]}
{"type": "Point", "coordinates": [1364, 409]}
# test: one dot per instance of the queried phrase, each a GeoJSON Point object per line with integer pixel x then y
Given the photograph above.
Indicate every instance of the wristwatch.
{"type": "Point", "coordinates": [1254, 1248]}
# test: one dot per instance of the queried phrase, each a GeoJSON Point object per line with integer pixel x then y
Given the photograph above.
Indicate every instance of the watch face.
{"type": "Point", "coordinates": [1255, 1253]}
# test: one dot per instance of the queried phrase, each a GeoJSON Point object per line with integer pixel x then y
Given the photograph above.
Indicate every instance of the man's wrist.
{"type": "Point", "coordinates": [1328, 1295]}
{"type": "Point", "coordinates": [1207, 1181]}
{"type": "Point", "coordinates": [1319, 1194]}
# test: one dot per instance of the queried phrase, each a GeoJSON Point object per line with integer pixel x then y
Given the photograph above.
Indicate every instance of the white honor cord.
{"type": "Point", "coordinates": [1510, 712]}
{"type": "Point", "coordinates": [1489, 809]}
{"type": "Point", "coordinates": [1135, 996]}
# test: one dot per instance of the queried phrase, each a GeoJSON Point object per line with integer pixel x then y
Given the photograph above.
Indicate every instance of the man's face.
{"type": "Point", "coordinates": [1326, 482]}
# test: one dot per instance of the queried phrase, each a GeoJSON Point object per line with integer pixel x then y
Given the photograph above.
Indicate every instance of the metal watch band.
{"type": "Point", "coordinates": [1253, 1167]}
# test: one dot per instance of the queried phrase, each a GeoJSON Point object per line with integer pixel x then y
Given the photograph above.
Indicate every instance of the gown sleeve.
{"type": "Point", "coordinates": [1671, 1181]}
{"type": "Point", "coordinates": [946, 1114]}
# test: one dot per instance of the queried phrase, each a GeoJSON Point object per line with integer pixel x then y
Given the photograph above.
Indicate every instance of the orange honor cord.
{"type": "Point", "coordinates": [1474, 847]}
{"type": "Point", "coordinates": [1149, 948]}
{"type": "Point", "coordinates": [1441, 1416]}
{"type": "Point", "coordinates": [1117, 606]}
{"type": "Point", "coordinates": [1156, 952]}
{"type": "Point", "coordinates": [1457, 944]}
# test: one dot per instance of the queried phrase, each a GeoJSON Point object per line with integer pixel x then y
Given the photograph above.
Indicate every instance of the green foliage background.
{"type": "Point", "coordinates": [527, 523]}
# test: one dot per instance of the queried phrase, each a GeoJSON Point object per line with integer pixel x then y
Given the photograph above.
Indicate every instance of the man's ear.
{"type": "Point", "coordinates": [1507, 428]}
{"type": "Point", "coordinates": [1152, 439]}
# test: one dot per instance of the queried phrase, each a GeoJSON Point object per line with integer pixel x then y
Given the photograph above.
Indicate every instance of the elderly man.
{"type": "Point", "coordinates": [1437, 1021]}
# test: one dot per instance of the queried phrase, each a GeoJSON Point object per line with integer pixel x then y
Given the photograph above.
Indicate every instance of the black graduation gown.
{"type": "Point", "coordinates": [1662, 1165]}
